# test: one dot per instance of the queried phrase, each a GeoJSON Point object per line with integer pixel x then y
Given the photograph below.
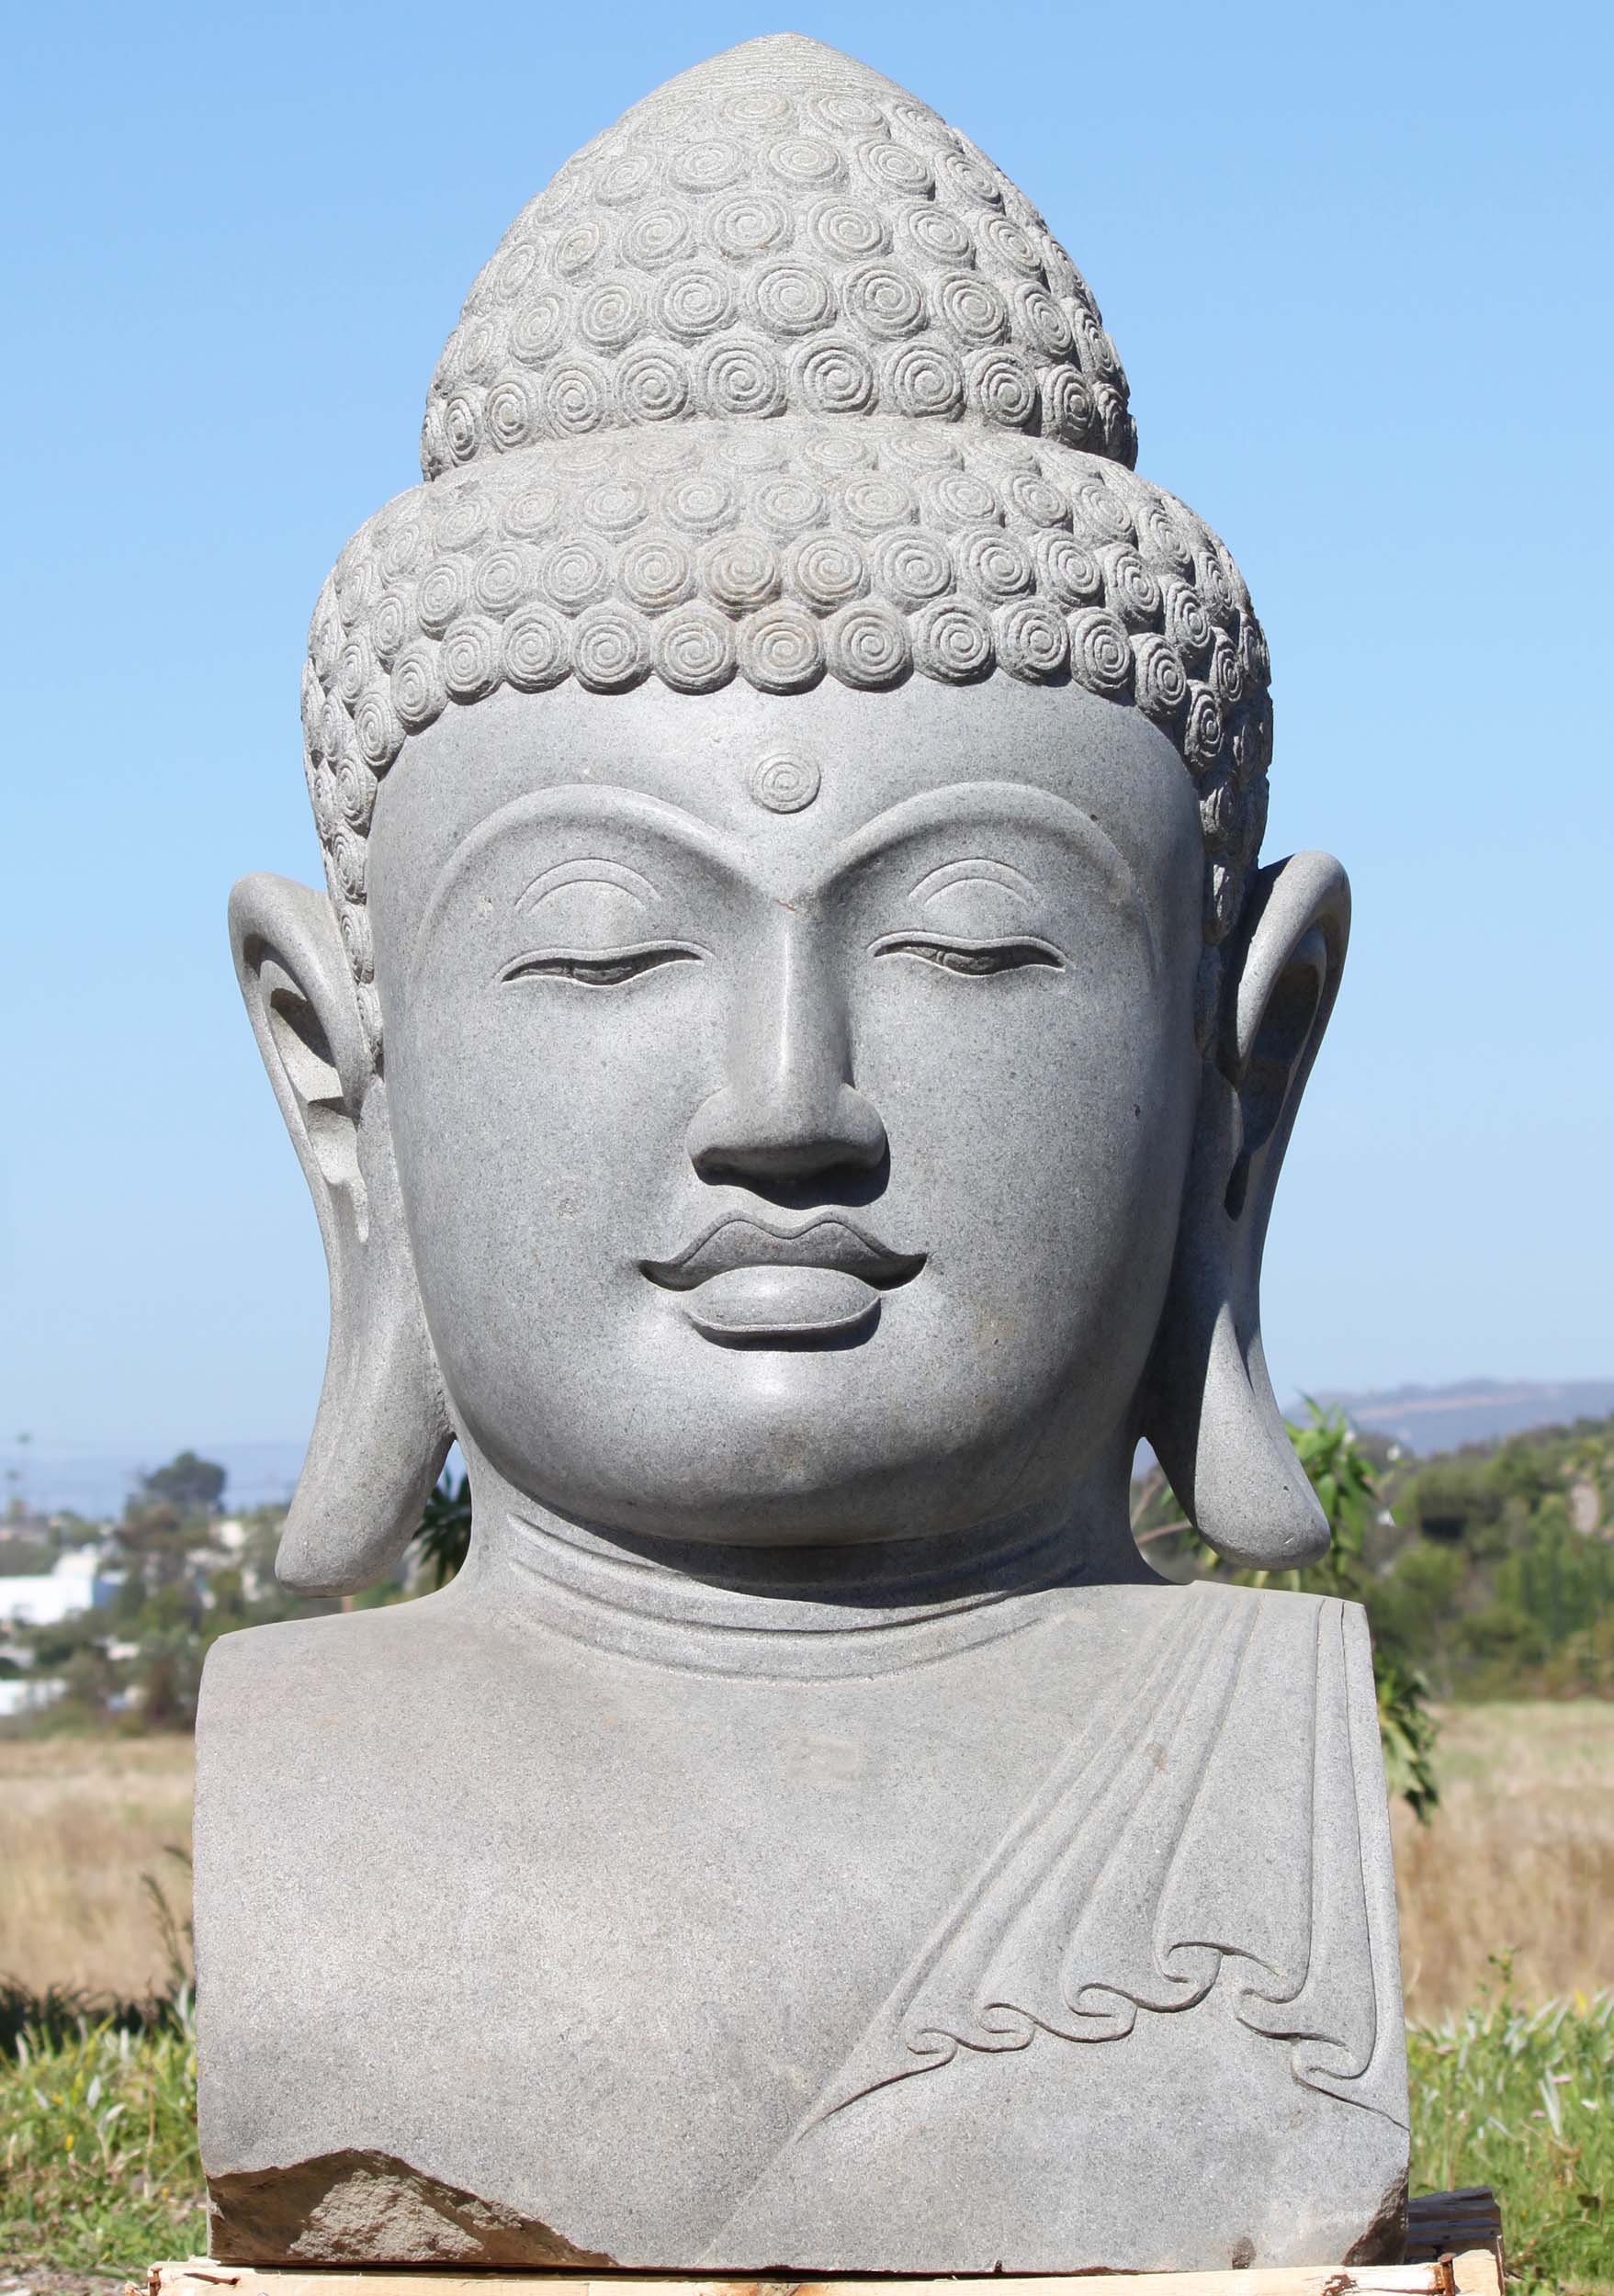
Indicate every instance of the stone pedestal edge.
{"type": "Point", "coordinates": [1454, 2244]}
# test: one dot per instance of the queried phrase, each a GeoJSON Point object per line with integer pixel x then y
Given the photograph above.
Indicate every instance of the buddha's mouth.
{"type": "Point", "coordinates": [756, 1286]}
{"type": "Point", "coordinates": [827, 1239]}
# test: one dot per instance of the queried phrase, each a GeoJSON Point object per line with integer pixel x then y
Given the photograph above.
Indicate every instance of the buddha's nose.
{"type": "Point", "coordinates": [788, 1108]}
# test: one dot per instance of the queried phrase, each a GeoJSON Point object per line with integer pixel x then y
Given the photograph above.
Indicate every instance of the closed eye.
{"type": "Point", "coordinates": [603, 968]}
{"type": "Point", "coordinates": [974, 959]}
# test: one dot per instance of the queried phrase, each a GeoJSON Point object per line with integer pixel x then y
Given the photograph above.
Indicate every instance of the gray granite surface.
{"type": "Point", "coordinates": [792, 1062]}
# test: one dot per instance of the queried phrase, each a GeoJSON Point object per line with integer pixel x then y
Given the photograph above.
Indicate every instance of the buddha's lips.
{"type": "Point", "coordinates": [735, 1240]}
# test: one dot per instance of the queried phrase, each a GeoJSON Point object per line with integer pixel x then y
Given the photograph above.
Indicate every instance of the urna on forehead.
{"type": "Point", "coordinates": [781, 384]}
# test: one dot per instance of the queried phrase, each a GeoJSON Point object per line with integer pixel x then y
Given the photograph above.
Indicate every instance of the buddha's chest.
{"type": "Point", "coordinates": [535, 1955]}
{"type": "Point", "coordinates": [589, 1921]}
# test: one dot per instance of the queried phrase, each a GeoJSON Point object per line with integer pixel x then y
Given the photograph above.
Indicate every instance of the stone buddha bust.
{"type": "Point", "coordinates": [792, 1066]}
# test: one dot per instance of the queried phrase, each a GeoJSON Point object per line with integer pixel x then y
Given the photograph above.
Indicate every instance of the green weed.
{"type": "Point", "coordinates": [97, 2132]}
{"type": "Point", "coordinates": [98, 2166]}
{"type": "Point", "coordinates": [1523, 2100]}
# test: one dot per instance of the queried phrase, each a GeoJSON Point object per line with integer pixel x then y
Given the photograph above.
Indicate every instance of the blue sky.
{"type": "Point", "coordinates": [1356, 262]}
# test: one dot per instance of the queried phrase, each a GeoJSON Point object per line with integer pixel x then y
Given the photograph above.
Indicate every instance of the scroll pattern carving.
{"type": "Point", "coordinates": [1105, 1902]}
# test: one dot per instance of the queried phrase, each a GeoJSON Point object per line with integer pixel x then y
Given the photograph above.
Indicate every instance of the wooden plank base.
{"type": "Point", "coordinates": [1452, 2224]}
{"type": "Point", "coordinates": [1454, 2248]}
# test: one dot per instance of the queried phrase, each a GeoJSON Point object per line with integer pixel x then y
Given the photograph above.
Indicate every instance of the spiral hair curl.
{"type": "Point", "coordinates": [780, 380]}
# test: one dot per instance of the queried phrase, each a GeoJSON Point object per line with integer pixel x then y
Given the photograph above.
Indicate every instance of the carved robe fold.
{"type": "Point", "coordinates": [1070, 1940]}
{"type": "Point", "coordinates": [1188, 1885]}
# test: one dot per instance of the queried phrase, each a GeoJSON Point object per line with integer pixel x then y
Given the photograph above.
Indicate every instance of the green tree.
{"type": "Point", "coordinates": [191, 1486]}
{"type": "Point", "coordinates": [156, 1541]}
{"type": "Point", "coordinates": [1413, 1604]}
{"type": "Point", "coordinates": [442, 1536]}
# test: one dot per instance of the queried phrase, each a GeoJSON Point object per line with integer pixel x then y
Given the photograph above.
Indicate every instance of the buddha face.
{"type": "Point", "coordinates": [792, 1098]}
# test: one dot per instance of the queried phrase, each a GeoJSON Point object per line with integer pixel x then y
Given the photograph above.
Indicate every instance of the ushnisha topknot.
{"type": "Point", "coordinates": [780, 379]}
{"type": "Point", "coordinates": [778, 229]}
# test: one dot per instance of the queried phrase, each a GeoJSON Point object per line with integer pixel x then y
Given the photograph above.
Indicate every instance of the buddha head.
{"type": "Point", "coordinates": [797, 1043]}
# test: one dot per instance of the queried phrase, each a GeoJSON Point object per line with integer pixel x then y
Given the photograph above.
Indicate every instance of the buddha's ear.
{"type": "Point", "coordinates": [382, 1430]}
{"type": "Point", "coordinates": [1208, 1408]}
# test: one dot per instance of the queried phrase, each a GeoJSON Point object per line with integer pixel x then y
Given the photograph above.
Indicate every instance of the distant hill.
{"type": "Point", "coordinates": [95, 1483]}
{"type": "Point", "coordinates": [1474, 1411]}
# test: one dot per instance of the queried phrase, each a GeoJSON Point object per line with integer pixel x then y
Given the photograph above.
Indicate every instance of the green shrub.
{"type": "Point", "coordinates": [97, 2132]}
{"type": "Point", "coordinates": [1523, 2100]}
{"type": "Point", "coordinates": [99, 2165]}
{"type": "Point", "coordinates": [1412, 1605]}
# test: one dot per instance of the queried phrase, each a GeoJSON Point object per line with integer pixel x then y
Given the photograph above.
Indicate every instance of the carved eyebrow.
{"type": "Point", "coordinates": [1011, 802]}
{"type": "Point", "coordinates": [1004, 874]}
{"type": "Point", "coordinates": [587, 872]}
{"type": "Point", "coordinates": [574, 805]}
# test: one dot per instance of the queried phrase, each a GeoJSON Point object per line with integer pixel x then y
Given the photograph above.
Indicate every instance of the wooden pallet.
{"type": "Point", "coordinates": [1454, 2248]}
{"type": "Point", "coordinates": [1453, 2223]}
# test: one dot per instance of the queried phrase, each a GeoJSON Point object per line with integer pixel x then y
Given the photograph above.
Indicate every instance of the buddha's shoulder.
{"type": "Point", "coordinates": [1239, 1604]}
{"type": "Point", "coordinates": [1267, 1614]}
{"type": "Point", "coordinates": [370, 1671]}
{"type": "Point", "coordinates": [1276, 1645]}
{"type": "Point", "coordinates": [347, 1642]}
{"type": "Point", "coordinates": [1245, 1648]}
{"type": "Point", "coordinates": [1211, 1608]}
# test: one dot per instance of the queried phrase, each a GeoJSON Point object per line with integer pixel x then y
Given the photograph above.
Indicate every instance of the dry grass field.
{"type": "Point", "coordinates": [81, 1819]}
{"type": "Point", "coordinates": [1520, 1857]}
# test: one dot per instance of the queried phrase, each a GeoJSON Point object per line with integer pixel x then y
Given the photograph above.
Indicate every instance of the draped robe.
{"type": "Point", "coordinates": [1069, 1948]}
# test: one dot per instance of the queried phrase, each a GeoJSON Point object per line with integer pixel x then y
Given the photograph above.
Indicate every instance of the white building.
{"type": "Point", "coordinates": [27, 1693]}
{"type": "Point", "coordinates": [78, 1583]}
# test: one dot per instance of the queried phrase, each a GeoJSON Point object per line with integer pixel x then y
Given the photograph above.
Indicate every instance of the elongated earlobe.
{"type": "Point", "coordinates": [382, 1430]}
{"type": "Point", "coordinates": [1209, 1409]}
